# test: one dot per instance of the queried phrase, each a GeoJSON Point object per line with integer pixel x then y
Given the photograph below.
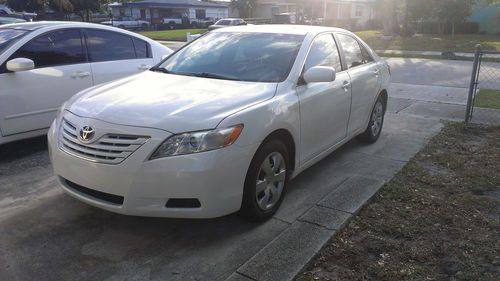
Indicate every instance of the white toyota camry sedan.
{"type": "Point", "coordinates": [221, 125]}
{"type": "Point", "coordinates": [42, 64]}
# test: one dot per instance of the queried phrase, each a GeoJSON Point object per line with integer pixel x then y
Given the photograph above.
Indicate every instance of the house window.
{"type": "Point", "coordinates": [122, 12]}
{"type": "Point", "coordinates": [143, 13]}
{"type": "Point", "coordinates": [201, 14]}
{"type": "Point", "coordinates": [359, 11]}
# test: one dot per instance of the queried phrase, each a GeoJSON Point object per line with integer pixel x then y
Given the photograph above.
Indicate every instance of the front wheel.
{"type": "Point", "coordinates": [372, 132]}
{"type": "Point", "coordinates": [266, 181]}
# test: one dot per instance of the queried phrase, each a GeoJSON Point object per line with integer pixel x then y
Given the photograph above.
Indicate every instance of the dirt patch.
{"type": "Point", "coordinates": [438, 219]}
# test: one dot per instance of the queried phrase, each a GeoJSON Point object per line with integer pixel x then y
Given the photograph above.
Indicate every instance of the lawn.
{"type": "Point", "coordinates": [172, 35]}
{"type": "Point", "coordinates": [487, 99]}
{"type": "Point", "coordinates": [421, 42]}
{"type": "Point", "coordinates": [438, 219]}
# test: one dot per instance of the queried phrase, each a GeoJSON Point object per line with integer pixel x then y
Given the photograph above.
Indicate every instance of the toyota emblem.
{"type": "Point", "coordinates": [86, 133]}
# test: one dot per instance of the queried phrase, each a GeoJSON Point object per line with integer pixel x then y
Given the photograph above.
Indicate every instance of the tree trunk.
{"type": "Point", "coordinates": [452, 30]}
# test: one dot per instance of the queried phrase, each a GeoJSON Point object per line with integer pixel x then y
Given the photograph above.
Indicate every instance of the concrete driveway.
{"type": "Point", "coordinates": [46, 235]}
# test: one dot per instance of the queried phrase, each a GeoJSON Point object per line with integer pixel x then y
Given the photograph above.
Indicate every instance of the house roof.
{"type": "Point", "coordinates": [170, 4]}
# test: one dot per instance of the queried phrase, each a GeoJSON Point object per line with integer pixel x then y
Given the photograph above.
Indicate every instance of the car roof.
{"type": "Point", "coordinates": [281, 28]}
{"type": "Point", "coordinates": [31, 26]}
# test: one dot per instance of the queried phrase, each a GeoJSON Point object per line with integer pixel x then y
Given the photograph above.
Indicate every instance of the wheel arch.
{"type": "Point", "coordinates": [286, 137]}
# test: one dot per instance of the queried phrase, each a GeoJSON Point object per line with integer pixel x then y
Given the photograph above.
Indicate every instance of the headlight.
{"type": "Point", "coordinates": [194, 142]}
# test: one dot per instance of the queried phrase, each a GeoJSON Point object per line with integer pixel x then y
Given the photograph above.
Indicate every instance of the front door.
{"type": "Point", "coordinates": [324, 107]}
{"type": "Point", "coordinates": [29, 99]}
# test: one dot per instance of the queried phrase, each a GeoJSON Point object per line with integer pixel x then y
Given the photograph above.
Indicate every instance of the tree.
{"type": "Point", "coordinates": [84, 7]}
{"type": "Point", "coordinates": [37, 5]}
{"type": "Point", "coordinates": [454, 11]}
{"type": "Point", "coordinates": [244, 7]}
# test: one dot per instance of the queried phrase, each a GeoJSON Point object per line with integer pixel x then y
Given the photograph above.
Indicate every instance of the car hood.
{"type": "Point", "coordinates": [169, 102]}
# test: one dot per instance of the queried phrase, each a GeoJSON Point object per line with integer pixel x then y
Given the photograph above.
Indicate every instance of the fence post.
{"type": "Point", "coordinates": [473, 81]}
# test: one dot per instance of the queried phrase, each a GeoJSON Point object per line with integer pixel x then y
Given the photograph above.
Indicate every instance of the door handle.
{"type": "Point", "coordinates": [346, 85]}
{"type": "Point", "coordinates": [143, 67]}
{"type": "Point", "coordinates": [376, 72]}
{"type": "Point", "coordinates": [80, 74]}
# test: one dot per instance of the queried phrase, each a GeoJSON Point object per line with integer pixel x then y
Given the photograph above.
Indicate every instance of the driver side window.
{"type": "Point", "coordinates": [55, 48]}
{"type": "Point", "coordinates": [324, 52]}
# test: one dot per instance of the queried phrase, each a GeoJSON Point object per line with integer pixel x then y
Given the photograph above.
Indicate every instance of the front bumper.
{"type": "Point", "coordinates": [215, 178]}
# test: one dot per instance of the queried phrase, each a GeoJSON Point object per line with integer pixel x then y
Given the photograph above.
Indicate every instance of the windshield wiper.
{"type": "Point", "coordinates": [161, 69]}
{"type": "Point", "coordinates": [215, 76]}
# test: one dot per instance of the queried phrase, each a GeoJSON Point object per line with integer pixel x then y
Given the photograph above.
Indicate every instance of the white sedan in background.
{"type": "Point", "coordinates": [43, 64]}
{"type": "Point", "coordinates": [222, 124]}
{"type": "Point", "coordinates": [127, 23]}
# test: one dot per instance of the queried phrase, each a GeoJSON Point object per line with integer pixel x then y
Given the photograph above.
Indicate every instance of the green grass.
{"type": "Point", "coordinates": [425, 42]}
{"type": "Point", "coordinates": [488, 99]}
{"type": "Point", "coordinates": [172, 35]}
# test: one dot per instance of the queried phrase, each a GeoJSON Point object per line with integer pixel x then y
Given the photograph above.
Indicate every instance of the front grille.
{"type": "Point", "coordinates": [108, 149]}
{"type": "Point", "coordinates": [110, 198]}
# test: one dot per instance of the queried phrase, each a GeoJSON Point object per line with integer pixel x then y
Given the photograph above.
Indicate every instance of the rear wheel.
{"type": "Point", "coordinates": [372, 132]}
{"type": "Point", "coordinates": [171, 25]}
{"type": "Point", "coordinates": [266, 181]}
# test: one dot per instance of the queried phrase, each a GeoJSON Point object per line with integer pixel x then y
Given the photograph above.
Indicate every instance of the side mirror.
{"type": "Point", "coordinates": [20, 64]}
{"type": "Point", "coordinates": [318, 74]}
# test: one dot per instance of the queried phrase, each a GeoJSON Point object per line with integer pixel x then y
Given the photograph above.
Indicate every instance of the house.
{"type": "Point", "coordinates": [344, 13]}
{"type": "Point", "coordinates": [487, 16]}
{"type": "Point", "coordinates": [155, 10]}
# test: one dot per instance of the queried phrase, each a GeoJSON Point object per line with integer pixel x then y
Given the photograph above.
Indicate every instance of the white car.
{"type": "Point", "coordinates": [127, 23]}
{"type": "Point", "coordinates": [43, 64]}
{"type": "Point", "coordinates": [222, 124]}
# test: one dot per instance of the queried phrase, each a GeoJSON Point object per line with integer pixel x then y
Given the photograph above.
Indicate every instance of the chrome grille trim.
{"type": "Point", "coordinates": [108, 149]}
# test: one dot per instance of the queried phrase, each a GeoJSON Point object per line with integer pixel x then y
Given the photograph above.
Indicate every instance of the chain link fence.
{"type": "Point", "coordinates": [483, 103]}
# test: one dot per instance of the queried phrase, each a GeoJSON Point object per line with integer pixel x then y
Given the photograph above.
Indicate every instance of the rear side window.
{"type": "Point", "coordinates": [141, 49]}
{"type": "Point", "coordinates": [109, 46]}
{"type": "Point", "coordinates": [54, 48]}
{"type": "Point", "coordinates": [352, 51]}
{"type": "Point", "coordinates": [324, 52]}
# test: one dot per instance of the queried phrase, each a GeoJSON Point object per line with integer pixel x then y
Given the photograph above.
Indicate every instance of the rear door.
{"type": "Point", "coordinates": [115, 55]}
{"type": "Point", "coordinates": [324, 107]}
{"type": "Point", "coordinates": [364, 75]}
{"type": "Point", "coordinates": [29, 99]}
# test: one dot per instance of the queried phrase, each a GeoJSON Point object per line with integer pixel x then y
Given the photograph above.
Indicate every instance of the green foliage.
{"type": "Point", "coordinates": [244, 7]}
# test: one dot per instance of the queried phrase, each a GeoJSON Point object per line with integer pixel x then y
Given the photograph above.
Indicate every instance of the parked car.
{"type": "Point", "coordinates": [227, 22]}
{"type": "Point", "coordinates": [6, 20]}
{"type": "Point", "coordinates": [284, 18]}
{"type": "Point", "coordinates": [175, 20]}
{"type": "Point", "coordinates": [222, 124]}
{"type": "Point", "coordinates": [127, 23]}
{"type": "Point", "coordinates": [42, 64]}
{"type": "Point", "coordinates": [201, 23]}
{"type": "Point", "coordinates": [6, 11]}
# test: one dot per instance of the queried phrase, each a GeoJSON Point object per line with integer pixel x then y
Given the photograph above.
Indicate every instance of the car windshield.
{"type": "Point", "coordinates": [241, 56]}
{"type": "Point", "coordinates": [223, 22]}
{"type": "Point", "coordinates": [9, 36]}
{"type": "Point", "coordinates": [7, 20]}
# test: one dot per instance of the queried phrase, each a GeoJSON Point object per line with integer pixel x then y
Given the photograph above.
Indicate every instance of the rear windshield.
{"type": "Point", "coordinates": [9, 36]}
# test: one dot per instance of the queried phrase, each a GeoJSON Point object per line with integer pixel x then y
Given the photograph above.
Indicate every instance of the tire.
{"type": "Point", "coordinates": [372, 132]}
{"type": "Point", "coordinates": [144, 26]}
{"type": "Point", "coordinates": [260, 202]}
{"type": "Point", "coordinates": [171, 26]}
{"type": "Point", "coordinates": [121, 26]}
{"type": "Point", "coordinates": [194, 25]}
